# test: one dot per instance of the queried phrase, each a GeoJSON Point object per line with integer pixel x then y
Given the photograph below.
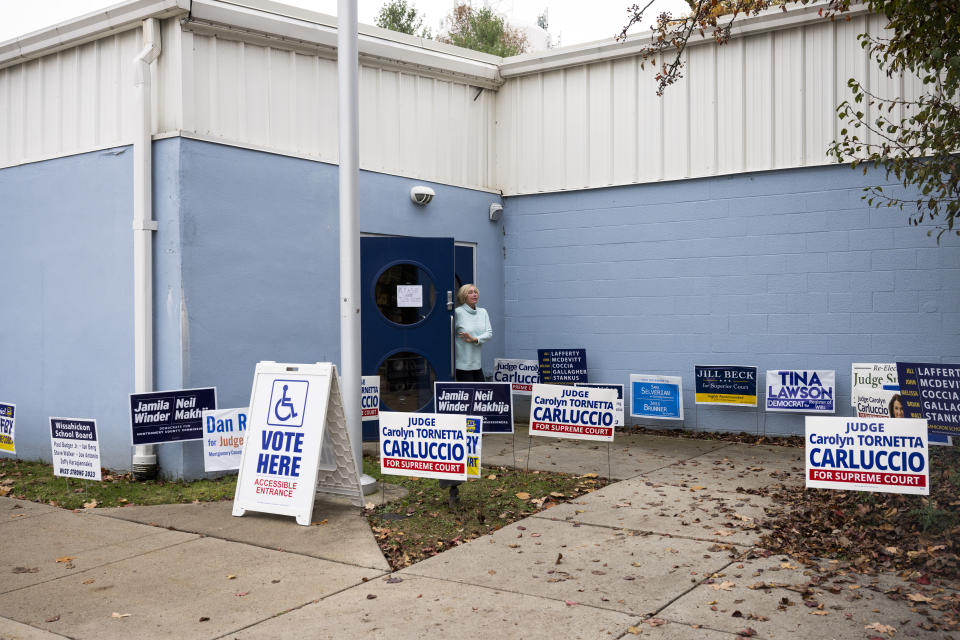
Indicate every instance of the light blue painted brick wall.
{"type": "Point", "coordinates": [786, 269]}
{"type": "Point", "coordinates": [66, 333]}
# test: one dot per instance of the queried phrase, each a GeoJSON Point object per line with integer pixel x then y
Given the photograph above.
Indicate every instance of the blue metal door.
{"type": "Point", "coordinates": [406, 320]}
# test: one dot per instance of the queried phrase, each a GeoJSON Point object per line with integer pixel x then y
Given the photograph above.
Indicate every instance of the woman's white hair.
{"type": "Point", "coordinates": [463, 291]}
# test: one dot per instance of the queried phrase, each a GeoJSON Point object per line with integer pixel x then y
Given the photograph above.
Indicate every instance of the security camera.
{"type": "Point", "coordinates": [496, 211]}
{"type": "Point", "coordinates": [421, 195]}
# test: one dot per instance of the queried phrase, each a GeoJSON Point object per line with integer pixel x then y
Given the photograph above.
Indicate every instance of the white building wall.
{"type": "Point", "coordinates": [68, 102]}
{"type": "Point", "coordinates": [766, 100]}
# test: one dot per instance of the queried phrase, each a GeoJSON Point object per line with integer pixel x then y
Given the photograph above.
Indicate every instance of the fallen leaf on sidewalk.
{"type": "Point", "coordinates": [89, 581]}
{"type": "Point", "coordinates": [819, 613]}
{"type": "Point", "coordinates": [90, 505]}
{"type": "Point", "coordinates": [53, 618]}
{"type": "Point", "coordinates": [231, 577]}
{"type": "Point", "coordinates": [570, 603]}
{"type": "Point", "coordinates": [204, 619]}
{"type": "Point", "coordinates": [726, 585]}
{"type": "Point", "coordinates": [918, 597]}
{"type": "Point", "coordinates": [633, 630]}
{"type": "Point", "coordinates": [697, 487]}
{"type": "Point", "coordinates": [656, 622]}
{"type": "Point", "coordinates": [882, 628]}
{"type": "Point", "coordinates": [371, 596]}
{"type": "Point", "coordinates": [242, 593]}
{"type": "Point", "coordinates": [393, 580]}
{"type": "Point", "coordinates": [119, 615]}
{"type": "Point", "coordinates": [67, 559]}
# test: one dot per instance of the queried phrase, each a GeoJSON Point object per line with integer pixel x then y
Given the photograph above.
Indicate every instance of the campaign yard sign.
{"type": "Point", "coordinates": [474, 445]}
{"type": "Point", "coordinates": [296, 443]}
{"type": "Point", "coordinates": [521, 374]}
{"type": "Point", "coordinates": [223, 433]}
{"type": "Point", "coordinates": [170, 416]}
{"type": "Point", "coordinates": [659, 397]}
{"type": "Point", "coordinates": [8, 420]}
{"type": "Point", "coordinates": [369, 398]}
{"type": "Point", "coordinates": [425, 445]}
{"type": "Point", "coordinates": [562, 366]}
{"type": "Point", "coordinates": [617, 406]}
{"type": "Point", "coordinates": [491, 401]}
{"type": "Point", "coordinates": [871, 376]}
{"type": "Point", "coordinates": [572, 412]}
{"type": "Point", "coordinates": [76, 452]}
{"type": "Point", "coordinates": [801, 391]}
{"type": "Point", "coordinates": [931, 391]}
{"type": "Point", "coordinates": [853, 454]}
{"type": "Point", "coordinates": [726, 385]}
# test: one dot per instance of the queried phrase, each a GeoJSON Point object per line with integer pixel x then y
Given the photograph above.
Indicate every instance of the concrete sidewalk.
{"type": "Point", "coordinates": [664, 553]}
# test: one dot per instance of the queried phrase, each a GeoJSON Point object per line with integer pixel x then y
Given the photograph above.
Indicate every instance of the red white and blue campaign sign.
{"type": "Point", "coordinates": [425, 445]}
{"type": "Point", "coordinates": [491, 401]}
{"type": "Point", "coordinates": [931, 392]}
{"type": "Point", "coordinates": [801, 391]}
{"type": "Point", "coordinates": [562, 366]}
{"type": "Point", "coordinates": [76, 452]}
{"type": "Point", "coordinates": [170, 416]}
{"type": "Point", "coordinates": [521, 374]}
{"type": "Point", "coordinates": [369, 398]}
{"type": "Point", "coordinates": [726, 384]}
{"type": "Point", "coordinates": [658, 397]}
{"type": "Point", "coordinates": [572, 412]}
{"type": "Point", "coordinates": [857, 454]}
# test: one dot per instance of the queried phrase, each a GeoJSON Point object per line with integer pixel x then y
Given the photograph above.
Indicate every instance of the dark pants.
{"type": "Point", "coordinates": [463, 375]}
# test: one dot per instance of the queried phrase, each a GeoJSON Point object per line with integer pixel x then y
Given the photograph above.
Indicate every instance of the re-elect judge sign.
{"type": "Point", "coordinates": [572, 412]}
{"type": "Point", "coordinates": [873, 454]}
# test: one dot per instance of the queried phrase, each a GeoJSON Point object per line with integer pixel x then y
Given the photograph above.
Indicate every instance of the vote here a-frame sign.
{"type": "Point", "coordinates": [296, 443]}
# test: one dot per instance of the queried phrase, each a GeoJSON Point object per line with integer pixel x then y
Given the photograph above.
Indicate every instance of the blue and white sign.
{"type": "Point", "coordinates": [491, 401]}
{"type": "Point", "coordinates": [223, 434]}
{"type": "Point", "coordinates": [930, 391]}
{"type": "Point", "coordinates": [866, 377]}
{"type": "Point", "coordinates": [521, 374]}
{"type": "Point", "coordinates": [288, 400]}
{"type": "Point", "coordinates": [8, 420]}
{"type": "Point", "coordinates": [617, 406]}
{"type": "Point", "coordinates": [425, 445]}
{"type": "Point", "coordinates": [572, 412]}
{"type": "Point", "coordinates": [855, 454]}
{"type": "Point", "coordinates": [295, 413]}
{"type": "Point", "coordinates": [170, 416]}
{"type": "Point", "coordinates": [801, 391]}
{"type": "Point", "coordinates": [659, 397]}
{"type": "Point", "coordinates": [369, 398]}
{"type": "Point", "coordinates": [562, 366]}
{"type": "Point", "coordinates": [76, 452]}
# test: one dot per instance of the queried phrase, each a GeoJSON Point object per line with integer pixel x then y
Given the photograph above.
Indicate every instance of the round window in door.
{"type": "Point", "coordinates": [405, 293]}
{"type": "Point", "coordinates": [406, 382]}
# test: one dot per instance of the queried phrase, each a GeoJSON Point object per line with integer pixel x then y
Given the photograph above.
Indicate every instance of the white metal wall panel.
{"type": "Point", "coordinates": [286, 101]}
{"type": "Point", "coordinates": [819, 85]}
{"type": "Point", "coordinates": [704, 125]}
{"type": "Point", "coordinates": [758, 102]}
{"type": "Point", "coordinates": [764, 101]}
{"type": "Point", "coordinates": [625, 142]}
{"type": "Point", "coordinates": [731, 116]}
{"type": "Point", "coordinates": [75, 100]}
{"type": "Point", "coordinates": [676, 128]}
{"type": "Point", "coordinates": [788, 118]}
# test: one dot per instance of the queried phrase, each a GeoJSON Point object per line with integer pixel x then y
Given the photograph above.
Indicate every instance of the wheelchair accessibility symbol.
{"type": "Point", "coordinates": [288, 400]}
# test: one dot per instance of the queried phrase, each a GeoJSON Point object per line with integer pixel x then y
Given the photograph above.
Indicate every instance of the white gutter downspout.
{"type": "Point", "coordinates": [144, 456]}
